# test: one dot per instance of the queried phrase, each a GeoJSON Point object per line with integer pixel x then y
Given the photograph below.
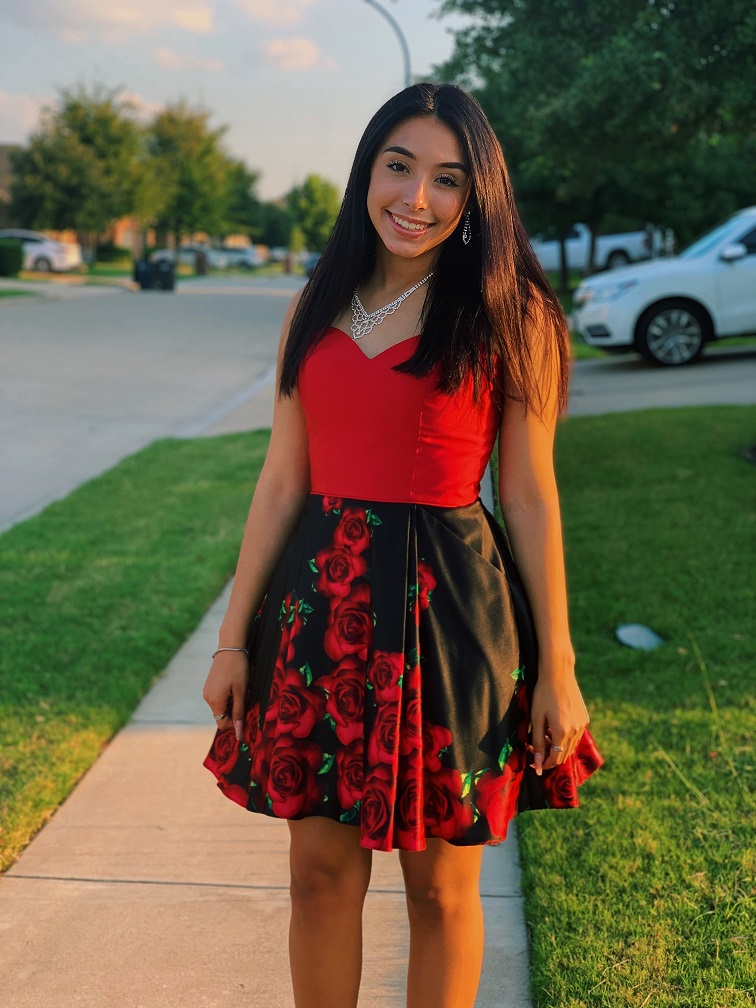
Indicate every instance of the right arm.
{"type": "Point", "coordinates": [277, 502]}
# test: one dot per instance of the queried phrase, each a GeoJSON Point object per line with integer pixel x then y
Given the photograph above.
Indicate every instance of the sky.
{"type": "Point", "coordinates": [295, 81]}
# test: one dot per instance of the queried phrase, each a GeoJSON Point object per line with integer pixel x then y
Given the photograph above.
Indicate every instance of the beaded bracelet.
{"type": "Point", "coordinates": [246, 652]}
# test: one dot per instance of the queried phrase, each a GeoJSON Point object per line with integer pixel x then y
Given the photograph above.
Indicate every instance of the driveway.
{"type": "Point", "coordinates": [87, 378]}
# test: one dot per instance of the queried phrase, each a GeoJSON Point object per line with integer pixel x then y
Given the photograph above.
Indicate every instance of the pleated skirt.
{"type": "Point", "coordinates": [392, 667]}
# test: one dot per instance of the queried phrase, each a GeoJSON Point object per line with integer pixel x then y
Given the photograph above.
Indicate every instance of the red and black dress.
{"type": "Point", "coordinates": [394, 658]}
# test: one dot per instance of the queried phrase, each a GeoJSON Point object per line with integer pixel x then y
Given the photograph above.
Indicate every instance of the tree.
{"type": "Point", "coordinates": [314, 206]}
{"type": "Point", "coordinates": [277, 225]}
{"type": "Point", "coordinates": [81, 167]}
{"type": "Point", "coordinates": [244, 211]}
{"type": "Point", "coordinates": [593, 98]}
{"type": "Point", "coordinates": [194, 170]}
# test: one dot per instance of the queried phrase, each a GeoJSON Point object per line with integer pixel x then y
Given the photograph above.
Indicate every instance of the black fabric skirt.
{"type": "Point", "coordinates": [393, 661]}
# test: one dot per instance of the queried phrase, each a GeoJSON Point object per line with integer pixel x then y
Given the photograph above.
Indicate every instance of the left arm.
{"type": "Point", "coordinates": [530, 506]}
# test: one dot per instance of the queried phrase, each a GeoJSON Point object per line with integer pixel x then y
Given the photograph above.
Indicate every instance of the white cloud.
{"type": "Point", "coordinates": [169, 59]}
{"type": "Point", "coordinates": [297, 53]}
{"type": "Point", "coordinates": [279, 12]}
{"type": "Point", "coordinates": [142, 108]}
{"type": "Point", "coordinates": [19, 114]}
{"type": "Point", "coordinates": [77, 21]}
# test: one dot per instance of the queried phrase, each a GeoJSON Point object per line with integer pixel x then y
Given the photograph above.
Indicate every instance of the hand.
{"type": "Point", "coordinates": [226, 688]}
{"type": "Point", "coordinates": [558, 719]}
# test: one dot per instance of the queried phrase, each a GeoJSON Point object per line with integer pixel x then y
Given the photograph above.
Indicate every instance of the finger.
{"type": "Point", "coordinates": [539, 748]}
{"type": "Point", "coordinates": [237, 712]}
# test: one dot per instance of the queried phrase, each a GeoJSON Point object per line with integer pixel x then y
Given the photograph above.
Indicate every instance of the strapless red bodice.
{"type": "Point", "coordinates": [377, 434]}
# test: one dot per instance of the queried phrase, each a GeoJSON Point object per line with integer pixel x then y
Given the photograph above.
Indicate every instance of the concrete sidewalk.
{"type": "Point", "coordinates": [149, 889]}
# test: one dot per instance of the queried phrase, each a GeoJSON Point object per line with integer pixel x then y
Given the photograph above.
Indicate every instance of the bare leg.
{"type": "Point", "coordinates": [446, 925]}
{"type": "Point", "coordinates": [330, 873]}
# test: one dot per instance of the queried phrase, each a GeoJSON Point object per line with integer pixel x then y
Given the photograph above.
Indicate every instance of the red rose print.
{"type": "Point", "coordinates": [223, 753]}
{"type": "Point", "coordinates": [376, 809]}
{"type": "Point", "coordinates": [384, 672]}
{"type": "Point", "coordinates": [446, 815]}
{"type": "Point", "coordinates": [426, 582]}
{"type": "Point", "coordinates": [346, 698]}
{"type": "Point", "coordinates": [331, 504]}
{"type": "Point", "coordinates": [559, 786]}
{"type": "Point", "coordinates": [411, 726]}
{"type": "Point", "coordinates": [496, 797]}
{"type": "Point", "coordinates": [350, 774]}
{"type": "Point", "coordinates": [261, 759]}
{"type": "Point", "coordinates": [298, 707]}
{"type": "Point", "coordinates": [293, 784]}
{"type": "Point", "coordinates": [435, 738]}
{"type": "Point", "coordinates": [252, 725]}
{"type": "Point", "coordinates": [338, 567]}
{"type": "Point", "coordinates": [234, 792]}
{"type": "Point", "coordinates": [352, 530]}
{"type": "Point", "coordinates": [382, 745]}
{"type": "Point", "coordinates": [350, 626]}
{"type": "Point", "coordinates": [409, 829]}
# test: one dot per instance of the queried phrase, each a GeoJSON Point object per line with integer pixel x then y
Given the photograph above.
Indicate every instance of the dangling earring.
{"type": "Point", "coordinates": [467, 230]}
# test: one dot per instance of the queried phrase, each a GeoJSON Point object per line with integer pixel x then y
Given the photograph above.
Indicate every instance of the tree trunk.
{"type": "Point", "coordinates": [591, 265]}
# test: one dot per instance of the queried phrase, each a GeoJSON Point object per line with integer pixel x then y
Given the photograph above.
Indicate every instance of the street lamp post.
{"type": "Point", "coordinates": [402, 40]}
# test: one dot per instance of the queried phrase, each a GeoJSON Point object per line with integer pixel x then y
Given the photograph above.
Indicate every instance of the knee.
{"type": "Point", "coordinates": [319, 880]}
{"type": "Point", "coordinates": [438, 902]}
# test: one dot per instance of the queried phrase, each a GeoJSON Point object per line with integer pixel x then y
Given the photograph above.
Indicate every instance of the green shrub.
{"type": "Point", "coordinates": [11, 257]}
{"type": "Point", "coordinates": [107, 252]}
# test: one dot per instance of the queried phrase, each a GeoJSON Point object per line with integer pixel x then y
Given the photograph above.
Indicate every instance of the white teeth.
{"type": "Point", "coordinates": [408, 225]}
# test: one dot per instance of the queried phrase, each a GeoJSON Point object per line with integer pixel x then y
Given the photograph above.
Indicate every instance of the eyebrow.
{"type": "Point", "coordinates": [444, 164]}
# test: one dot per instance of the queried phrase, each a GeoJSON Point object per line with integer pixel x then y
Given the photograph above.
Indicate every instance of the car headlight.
{"type": "Point", "coordinates": [606, 292]}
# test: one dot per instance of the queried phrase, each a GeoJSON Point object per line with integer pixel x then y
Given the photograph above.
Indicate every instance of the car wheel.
{"type": "Point", "coordinates": [617, 259]}
{"type": "Point", "coordinates": [43, 265]}
{"type": "Point", "coordinates": [673, 333]}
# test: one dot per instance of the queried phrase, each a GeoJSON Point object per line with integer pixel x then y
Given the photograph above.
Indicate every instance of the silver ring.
{"type": "Point", "coordinates": [557, 748]}
{"type": "Point", "coordinates": [219, 717]}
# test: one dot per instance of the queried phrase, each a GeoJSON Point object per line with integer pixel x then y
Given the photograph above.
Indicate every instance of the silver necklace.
{"type": "Point", "coordinates": [364, 323]}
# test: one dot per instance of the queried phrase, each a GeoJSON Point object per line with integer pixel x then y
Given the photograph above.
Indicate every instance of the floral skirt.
{"type": "Point", "coordinates": [393, 661]}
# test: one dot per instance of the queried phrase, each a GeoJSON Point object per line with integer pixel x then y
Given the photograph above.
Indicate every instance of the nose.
{"type": "Point", "coordinates": [414, 195]}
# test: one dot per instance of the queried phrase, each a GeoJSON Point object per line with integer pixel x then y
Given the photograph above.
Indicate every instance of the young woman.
{"type": "Point", "coordinates": [393, 670]}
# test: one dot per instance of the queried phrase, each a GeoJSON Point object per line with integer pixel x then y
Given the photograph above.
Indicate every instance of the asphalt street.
{"type": "Point", "coordinates": [88, 376]}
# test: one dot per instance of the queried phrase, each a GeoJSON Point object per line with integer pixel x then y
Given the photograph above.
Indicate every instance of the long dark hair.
{"type": "Point", "coordinates": [487, 302]}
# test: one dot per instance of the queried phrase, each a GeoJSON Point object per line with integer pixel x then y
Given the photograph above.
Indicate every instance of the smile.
{"type": "Point", "coordinates": [408, 225]}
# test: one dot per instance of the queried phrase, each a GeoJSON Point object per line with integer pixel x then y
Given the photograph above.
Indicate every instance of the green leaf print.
{"type": "Point", "coordinates": [351, 814]}
{"type": "Point", "coordinates": [314, 566]}
{"type": "Point", "coordinates": [373, 518]}
{"type": "Point", "coordinates": [467, 783]}
{"type": "Point", "coordinates": [519, 673]}
{"type": "Point", "coordinates": [305, 608]}
{"type": "Point", "coordinates": [327, 763]}
{"type": "Point", "coordinates": [330, 720]}
{"type": "Point", "coordinates": [306, 672]}
{"type": "Point", "coordinates": [268, 801]}
{"type": "Point", "coordinates": [504, 755]}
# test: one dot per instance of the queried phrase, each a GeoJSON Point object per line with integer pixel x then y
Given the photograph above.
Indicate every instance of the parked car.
{"type": "Point", "coordinates": [611, 251]}
{"type": "Point", "coordinates": [669, 309]}
{"type": "Point", "coordinates": [248, 256]}
{"type": "Point", "coordinates": [187, 254]}
{"type": "Point", "coordinates": [311, 260]}
{"type": "Point", "coordinates": [45, 254]}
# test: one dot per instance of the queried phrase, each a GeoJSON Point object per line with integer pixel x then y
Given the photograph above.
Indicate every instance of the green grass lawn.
{"type": "Point", "coordinates": [15, 293]}
{"type": "Point", "coordinates": [644, 895]}
{"type": "Point", "coordinates": [98, 592]}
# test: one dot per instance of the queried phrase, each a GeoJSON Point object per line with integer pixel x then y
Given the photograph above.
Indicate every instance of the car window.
{"type": "Point", "coordinates": [706, 242]}
{"type": "Point", "coordinates": [749, 240]}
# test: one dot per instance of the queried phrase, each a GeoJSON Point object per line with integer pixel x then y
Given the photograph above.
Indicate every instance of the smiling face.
{"type": "Point", "coordinates": [419, 185]}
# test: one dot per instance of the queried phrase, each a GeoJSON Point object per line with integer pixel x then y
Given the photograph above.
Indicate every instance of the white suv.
{"type": "Point", "coordinates": [43, 253]}
{"type": "Point", "coordinates": [669, 309]}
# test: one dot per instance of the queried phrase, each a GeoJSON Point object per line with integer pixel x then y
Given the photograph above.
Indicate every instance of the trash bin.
{"type": "Point", "coordinates": [201, 263]}
{"type": "Point", "coordinates": [165, 275]}
{"type": "Point", "coordinates": [144, 274]}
